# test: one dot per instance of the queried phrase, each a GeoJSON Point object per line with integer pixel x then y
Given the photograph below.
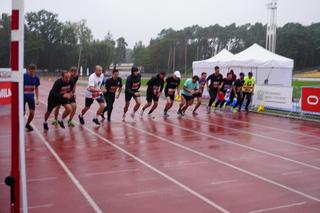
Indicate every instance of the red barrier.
{"type": "Point", "coordinates": [5, 93]}
{"type": "Point", "coordinates": [310, 99]}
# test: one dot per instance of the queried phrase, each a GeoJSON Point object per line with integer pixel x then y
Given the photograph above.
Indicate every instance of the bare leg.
{"type": "Point", "coordinates": [30, 117]}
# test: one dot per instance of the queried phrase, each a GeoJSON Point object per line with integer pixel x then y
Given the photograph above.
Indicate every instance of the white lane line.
{"type": "Point", "coordinates": [278, 207]}
{"type": "Point", "coordinates": [291, 173]}
{"type": "Point", "coordinates": [110, 172]}
{"type": "Point", "coordinates": [185, 164]}
{"type": "Point", "coordinates": [181, 185]}
{"type": "Point", "coordinates": [228, 165]}
{"type": "Point", "coordinates": [223, 182]}
{"type": "Point", "coordinates": [76, 182]}
{"type": "Point", "coordinates": [41, 179]}
{"type": "Point", "coordinates": [243, 146]}
{"type": "Point", "coordinates": [40, 206]}
{"type": "Point", "coordinates": [257, 135]}
{"type": "Point", "coordinates": [191, 191]}
{"type": "Point", "coordinates": [139, 193]}
{"type": "Point", "coordinates": [299, 153]}
{"type": "Point", "coordinates": [268, 127]}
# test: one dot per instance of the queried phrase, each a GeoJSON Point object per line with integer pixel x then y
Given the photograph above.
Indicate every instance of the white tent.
{"type": "Point", "coordinates": [209, 64]}
{"type": "Point", "coordinates": [267, 67]}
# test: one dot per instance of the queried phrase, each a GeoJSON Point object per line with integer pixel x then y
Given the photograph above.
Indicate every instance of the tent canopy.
{"type": "Point", "coordinates": [267, 67]}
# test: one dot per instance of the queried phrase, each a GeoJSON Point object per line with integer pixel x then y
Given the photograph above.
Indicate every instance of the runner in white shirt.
{"type": "Point", "coordinates": [93, 92]}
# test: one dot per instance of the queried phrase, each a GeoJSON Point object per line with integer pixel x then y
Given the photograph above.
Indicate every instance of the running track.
{"type": "Point", "coordinates": [205, 163]}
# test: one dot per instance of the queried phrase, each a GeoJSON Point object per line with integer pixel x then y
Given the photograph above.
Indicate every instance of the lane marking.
{"type": "Point", "coordinates": [40, 206]}
{"type": "Point", "coordinates": [185, 164]}
{"type": "Point", "coordinates": [75, 181]}
{"type": "Point", "coordinates": [242, 146]}
{"type": "Point", "coordinates": [110, 172]}
{"type": "Point", "coordinates": [299, 153]}
{"type": "Point", "coordinates": [139, 193]}
{"type": "Point", "coordinates": [257, 135]}
{"type": "Point", "coordinates": [291, 173]}
{"type": "Point", "coordinates": [223, 182]}
{"type": "Point", "coordinates": [181, 185]}
{"type": "Point", "coordinates": [229, 165]}
{"type": "Point", "coordinates": [41, 179]}
{"type": "Point", "coordinates": [278, 207]}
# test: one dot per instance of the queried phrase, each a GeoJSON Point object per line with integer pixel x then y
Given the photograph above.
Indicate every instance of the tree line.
{"type": "Point", "coordinates": [54, 45]}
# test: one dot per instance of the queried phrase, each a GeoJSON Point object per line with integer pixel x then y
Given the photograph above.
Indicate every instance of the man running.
{"type": "Point", "coordinates": [213, 83]}
{"type": "Point", "coordinates": [73, 79]}
{"type": "Point", "coordinates": [198, 95]}
{"type": "Point", "coordinates": [172, 84]}
{"type": "Point", "coordinates": [248, 90]}
{"type": "Point", "coordinates": [60, 94]}
{"type": "Point", "coordinates": [31, 83]}
{"type": "Point", "coordinates": [133, 84]}
{"type": "Point", "coordinates": [93, 92]}
{"type": "Point", "coordinates": [238, 84]}
{"type": "Point", "coordinates": [112, 86]}
{"type": "Point", "coordinates": [226, 85]}
{"type": "Point", "coordinates": [191, 87]}
{"type": "Point", "coordinates": [154, 91]}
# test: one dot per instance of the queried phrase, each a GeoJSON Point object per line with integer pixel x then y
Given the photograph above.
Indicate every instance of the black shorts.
{"type": "Point", "coordinates": [129, 96]}
{"type": "Point", "coordinates": [53, 102]}
{"type": "Point", "coordinates": [151, 96]}
{"type": "Point", "coordinates": [73, 100]}
{"type": "Point", "coordinates": [89, 101]}
{"type": "Point", "coordinates": [31, 104]}
{"type": "Point", "coordinates": [188, 98]}
{"type": "Point", "coordinates": [171, 96]}
{"type": "Point", "coordinates": [197, 95]}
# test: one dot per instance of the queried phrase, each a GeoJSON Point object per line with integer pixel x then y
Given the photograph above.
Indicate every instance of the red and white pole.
{"type": "Point", "coordinates": [18, 149]}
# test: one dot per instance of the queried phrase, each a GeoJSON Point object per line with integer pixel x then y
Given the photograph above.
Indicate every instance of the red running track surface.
{"type": "Point", "coordinates": [220, 162]}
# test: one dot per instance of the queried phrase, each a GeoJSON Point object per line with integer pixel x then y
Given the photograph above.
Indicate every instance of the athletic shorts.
{"type": "Point", "coordinates": [73, 100]}
{"type": "Point", "coordinates": [89, 101]}
{"type": "Point", "coordinates": [129, 96]}
{"type": "Point", "coordinates": [197, 95]}
{"type": "Point", "coordinates": [171, 96]}
{"type": "Point", "coordinates": [188, 98]}
{"type": "Point", "coordinates": [53, 102]}
{"type": "Point", "coordinates": [151, 96]}
{"type": "Point", "coordinates": [31, 104]}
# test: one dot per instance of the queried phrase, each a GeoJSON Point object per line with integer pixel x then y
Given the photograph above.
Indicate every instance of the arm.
{"type": "Point", "coordinates": [119, 89]}
{"type": "Point", "coordinates": [37, 96]}
{"type": "Point", "coordinates": [56, 90]}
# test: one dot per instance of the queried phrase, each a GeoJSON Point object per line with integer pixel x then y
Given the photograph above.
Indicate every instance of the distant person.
{"type": "Point", "coordinates": [31, 82]}
{"type": "Point", "coordinates": [93, 92]}
{"type": "Point", "coordinates": [154, 91]}
{"type": "Point", "coordinates": [172, 85]}
{"type": "Point", "coordinates": [248, 90]}
{"type": "Point", "coordinates": [238, 84]}
{"type": "Point", "coordinates": [60, 94]}
{"type": "Point", "coordinates": [190, 87]}
{"type": "Point", "coordinates": [234, 76]}
{"type": "Point", "coordinates": [226, 86]}
{"type": "Point", "coordinates": [198, 95]}
{"type": "Point", "coordinates": [112, 86]}
{"type": "Point", "coordinates": [213, 83]}
{"type": "Point", "coordinates": [73, 78]}
{"type": "Point", "coordinates": [133, 84]}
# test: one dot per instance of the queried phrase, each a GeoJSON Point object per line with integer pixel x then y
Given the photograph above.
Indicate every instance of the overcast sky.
{"type": "Point", "coordinates": [144, 19]}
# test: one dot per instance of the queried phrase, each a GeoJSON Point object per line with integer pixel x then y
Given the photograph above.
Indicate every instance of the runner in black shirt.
{"type": "Point", "coordinates": [112, 85]}
{"type": "Point", "coordinates": [60, 94]}
{"type": "Point", "coordinates": [154, 91]}
{"type": "Point", "coordinates": [133, 84]}
{"type": "Point", "coordinates": [172, 84]}
{"type": "Point", "coordinates": [73, 80]}
{"type": "Point", "coordinates": [226, 84]}
{"type": "Point", "coordinates": [213, 83]}
{"type": "Point", "coordinates": [238, 88]}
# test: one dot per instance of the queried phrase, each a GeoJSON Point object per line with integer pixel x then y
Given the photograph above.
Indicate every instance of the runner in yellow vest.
{"type": "Point", "coordinates": [247, 90]}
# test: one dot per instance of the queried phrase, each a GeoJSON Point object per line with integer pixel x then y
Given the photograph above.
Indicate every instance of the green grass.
{"type": "Point", "coordinates": [144, 81]}
{"type": "Point", "coordinates": [298, 84]}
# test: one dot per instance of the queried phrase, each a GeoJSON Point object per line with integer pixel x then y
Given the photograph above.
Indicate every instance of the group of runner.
{"type": "Point", "coordinates": [104, 89]}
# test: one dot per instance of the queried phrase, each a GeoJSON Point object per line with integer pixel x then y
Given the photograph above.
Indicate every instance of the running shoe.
{"type": "Point", "coordinates": [234, 110]}
{"type": "Point", "coordinates": [81, 119]}
{"type": "Point", "coordinates": [96, 121]}
{"type": "Point", "coordinates": [61, 124]}
{"type": "Point", "coordinates": [133, 114]}
{"type": "Point", "coordinates": [165, 114]}
{"type": "Point", "coordinates": [224, 106]}
{"type": "Point", "coordinates": [124, 117]}
{"type": "Point", "coordinates": [150, 116]}
{"type": "Point", "coordinates": [54, 122]}
{"type": "Point", "coordinates": [29, 128]}
{"type": "Point", "coordinates": [102, 116]}
{"type": "Point", "coordinates": [208, 109]}
{"type": "Point", "coordinates": [45, 126]}
{"type": "Point", "coordinates": [194, 113]}
{"type": "Point", "coordinates": [141, 113]}
{"type": "Point", "coordinates": [71, 123]}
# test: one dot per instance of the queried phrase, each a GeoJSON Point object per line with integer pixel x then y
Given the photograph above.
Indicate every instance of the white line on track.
{"type": "Point", "coordinates": [228, 164]}
{"type": "Point", "coordinates": [110, 172]}
{"type": "Point", "coordinates": [243, 146]}
{"type": "Point", "coordinates": [40, 206]}
{"type": "Point", "coordinates": [299, 153]}
{"type": "Point", "coordinates": [223, 182]}
{"type": "Point", "coordinates": [185, 164]}
{"type": "Point", "coordinates": [139, 193]}
{"type": "Point", "coordinates": [291, 173]}
{"type": "Point", "coordinates": [278, 207]}
{"type": "Point", "coordinates": [256, 134]}
{"type": "Point", "coordinates": [41, 179]}
{"type": "Point", "coordinates": [76, 182]}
